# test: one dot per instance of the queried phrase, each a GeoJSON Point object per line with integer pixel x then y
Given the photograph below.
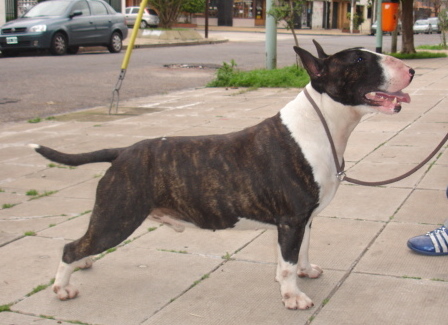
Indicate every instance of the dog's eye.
{"type": "Point", "coordinates": [359, 59]}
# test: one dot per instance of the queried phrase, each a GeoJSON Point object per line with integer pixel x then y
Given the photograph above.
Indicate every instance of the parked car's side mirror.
{"type": "Point", "coordinates": [76, 13]}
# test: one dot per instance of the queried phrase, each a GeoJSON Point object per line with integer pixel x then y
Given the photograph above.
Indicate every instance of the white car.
{"type": "Point", "coordinates": [149, 18]}
{"type": "Point", "coordinates": [422, 26]}
{"type": "Point", "coordinates": [434, 21]}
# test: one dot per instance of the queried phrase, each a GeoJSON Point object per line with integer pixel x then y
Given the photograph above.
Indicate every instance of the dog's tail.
{"type": "Point", "coordinates": [105, 155]}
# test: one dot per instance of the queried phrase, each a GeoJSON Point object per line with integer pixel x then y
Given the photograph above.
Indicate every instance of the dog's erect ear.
{"type": "Point", "coordinates": [320, 51]}
{"type": "Point", "coordinates": [312, 64]}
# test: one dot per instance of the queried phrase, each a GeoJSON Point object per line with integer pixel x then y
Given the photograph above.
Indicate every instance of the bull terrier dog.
{"type": "Point", "coordinates": [279, 172]}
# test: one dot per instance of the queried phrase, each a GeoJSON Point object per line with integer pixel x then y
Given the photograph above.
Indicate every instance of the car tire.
{"type": "Point", "coordinates": [116, 43]}
{"type": "Point", "coordinates": [143, 24]}
{"type": "Point", "coordinates": [58, 44]}
{"type": "Point", "coordinates": [73, 49]}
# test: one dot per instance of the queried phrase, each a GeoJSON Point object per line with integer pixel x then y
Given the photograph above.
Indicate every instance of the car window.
{"type": "Point", "coordinates": [152, 12]}
{"type": "Point", "coordinates": [128, 10]}
{"type": "Point", "coordinates": [81, 6]}
{"type": "Point", "coordinates": [135, 10]}
{"type": "Point", "coordinates": [48, 8]}
{"type": "Point", "coordinates": [98, 8]}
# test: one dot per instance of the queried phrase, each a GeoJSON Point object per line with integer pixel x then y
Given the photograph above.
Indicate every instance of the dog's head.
{"type": "Point", "coordinates": [357, 77]}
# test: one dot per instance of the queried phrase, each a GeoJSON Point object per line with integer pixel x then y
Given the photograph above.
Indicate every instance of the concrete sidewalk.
{"type": "Point", "coordinates": [160, 277]}
{"type": "Point", "coordinates": [216, 34]}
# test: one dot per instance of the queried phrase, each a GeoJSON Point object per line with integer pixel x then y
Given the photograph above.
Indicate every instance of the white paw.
{"type": "Point", "coordinates": [297, 301]}
{"type": "Point", "coordinates": [65, 293]}
{"type": "Point", "coordinates": [313, 272]}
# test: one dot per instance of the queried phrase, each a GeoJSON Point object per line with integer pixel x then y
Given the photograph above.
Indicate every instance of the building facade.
{"type": "Point", "coordinates": [315, 14]}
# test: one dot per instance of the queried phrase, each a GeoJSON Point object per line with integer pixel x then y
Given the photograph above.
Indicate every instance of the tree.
{"type": "Point", "coordinates": [407, 21]}
{"type": "Point", "coordinates": [192, 7]}
{"type": "Point", "coordinates": [443, 25]}
{"type": "Point", "coordinates": [287, 10]}
{"type": "Point", "coordinates": [168, 11]}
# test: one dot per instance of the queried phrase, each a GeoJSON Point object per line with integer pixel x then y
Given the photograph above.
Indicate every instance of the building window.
{"type": "Point", "coordinates": [243, 9]}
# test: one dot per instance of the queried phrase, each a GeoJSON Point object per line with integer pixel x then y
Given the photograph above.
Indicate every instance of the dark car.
{"type": "Point", "coordinates": [62, 26]}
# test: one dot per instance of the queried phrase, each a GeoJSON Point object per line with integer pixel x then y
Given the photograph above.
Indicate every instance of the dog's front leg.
{"type": "Point", "coordinates": [290, 236]}
{"type": "Point", "coordinates": [62, 286]}
{"type": "Point", "coordinates": [306, 269]}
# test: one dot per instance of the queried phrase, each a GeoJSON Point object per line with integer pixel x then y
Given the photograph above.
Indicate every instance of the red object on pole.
{"type": "Point", "coordinates": [389, 15]}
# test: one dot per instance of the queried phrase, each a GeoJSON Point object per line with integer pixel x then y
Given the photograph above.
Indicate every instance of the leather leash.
{"type": "Point", "coordinates": [340, 168]}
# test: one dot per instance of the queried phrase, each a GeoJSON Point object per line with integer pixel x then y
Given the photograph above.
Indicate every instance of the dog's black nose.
{"type": "Point", "coordinates": [411, 72]}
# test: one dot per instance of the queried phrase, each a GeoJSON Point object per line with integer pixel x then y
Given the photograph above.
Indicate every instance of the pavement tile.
{"type": "Point", "coordinates": [328, 247]}
{"type": "Point", "coordinates": [372, 172]}
{"type": "Point", "coordinates": [201, 130]}
{"type": "Point", "coordinates": [443, 158]}
{"type": "Point", "coordinates": [47, 206]}
{"type": "Point", "coordinates": [366, 203]}
{"type": "Point", "coordinates": [8, 196]}
{"type": "Point", "coordinates": [389, 255]}
{"type": "Point", "coordinates": [52, 179]}
{"type": "Point", "coordinates": [125, 287]}
{"type": "Point", "coordinates": [84, 190]}
{"type": "Point", "coordinates": [20, 319]}
{"type": "Point", "coordinates": [378, 124]}
{"type": "Point", "coordinates": [18, 226]}
{"type": "Point", "coordinates": [197, 241]}
{"type": "Point", "coordinates": [14, 153]}
{"type": "Point", "coordinates": [378, 299]}
{"type": "Point", "coordinates": [435, 178]}
{"type": "Point", "coordinates": [6, 238]}
{"type": "Point", "coordinates": [424, 207]}
{"type": "Point", "coordinates": [27, 263]}
{"type": "Point", "coordinates": [399, 153]}
{"type": "Point", "coordinates": [74, 228]}
{"type": "Point", "coordinates": [140, 131]}
{"type": "Point", "coordinates": [242, 293]}
{"type": "Point", "coordinates": [362, 144]}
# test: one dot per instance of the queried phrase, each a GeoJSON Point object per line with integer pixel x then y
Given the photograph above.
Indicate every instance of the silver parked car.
{"type": "Point", "coordinates": [62, 26]}
{"type": "Point", "coordinates": [149, 18]}
{"type": "Point", "coordinates": [434, 21]}
{"type": "Point", "coordinates": [422, 26]}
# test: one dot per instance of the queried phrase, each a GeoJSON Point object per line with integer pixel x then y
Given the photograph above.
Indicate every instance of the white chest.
{"type": "Point", "coordinates": [308, 131]}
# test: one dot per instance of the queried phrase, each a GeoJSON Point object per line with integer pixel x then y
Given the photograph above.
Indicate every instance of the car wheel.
{"type": "Point", "coordinates": [58, 44]}
{"type": "Point", "coordinates": [73, 49]}
{"type": "Point", "coordinates": [116, 43]}
{"type": "Point", "coordinates": [143, 24]}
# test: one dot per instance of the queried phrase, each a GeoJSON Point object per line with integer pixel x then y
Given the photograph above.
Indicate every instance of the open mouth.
{"type": "Point", "coordinates": [389, 101]}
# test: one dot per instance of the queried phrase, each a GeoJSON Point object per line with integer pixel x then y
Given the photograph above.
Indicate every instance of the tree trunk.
{"type": "Point", "coordinates": [407, 20]}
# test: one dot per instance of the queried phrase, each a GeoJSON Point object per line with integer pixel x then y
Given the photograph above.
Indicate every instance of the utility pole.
{"type": "Point", "coordinates": [271, 38]}
{"type": "Point", "coordinates": [379, 27]}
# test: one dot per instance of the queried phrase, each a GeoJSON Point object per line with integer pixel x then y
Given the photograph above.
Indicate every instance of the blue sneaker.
{"type": "Point", "coordinates": [433, 243]}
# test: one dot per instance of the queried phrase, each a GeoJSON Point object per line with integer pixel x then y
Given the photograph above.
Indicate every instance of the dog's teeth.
{"type": "Point", "coordinates": [394, 101]}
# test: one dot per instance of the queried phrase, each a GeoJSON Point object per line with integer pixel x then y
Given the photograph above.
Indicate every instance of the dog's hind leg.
{"type": "Point", "coordinates": [121, 206]}
{"type": "Point", "coordinates": [306, 269]}
{"type": "Point", "coordinates": [290, 235]}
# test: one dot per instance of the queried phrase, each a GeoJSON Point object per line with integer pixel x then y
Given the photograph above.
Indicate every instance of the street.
{"type": "Point", "coordinates": [40, 85]}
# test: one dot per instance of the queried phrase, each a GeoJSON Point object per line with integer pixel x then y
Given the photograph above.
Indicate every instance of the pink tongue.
{"type": "Point", "coordinates": [401, 97]}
